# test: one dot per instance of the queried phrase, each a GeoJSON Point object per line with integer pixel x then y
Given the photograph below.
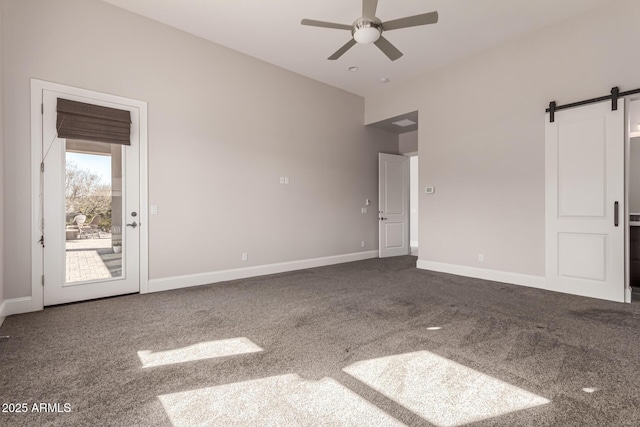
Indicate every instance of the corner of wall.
{"type": "Point", "coordinates": [408, 142]}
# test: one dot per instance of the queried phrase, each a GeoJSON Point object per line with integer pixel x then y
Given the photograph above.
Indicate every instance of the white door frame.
{"type": "Point", "coordinates": [627, 234]}
{"type": "Point", "coordinates": [37, 267]}
{"type": "Point", "coordinates": [411, 224]}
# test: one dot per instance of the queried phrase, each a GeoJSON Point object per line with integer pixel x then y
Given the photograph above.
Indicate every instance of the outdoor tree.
{"type": "Point", "coordinates": [85, 193]}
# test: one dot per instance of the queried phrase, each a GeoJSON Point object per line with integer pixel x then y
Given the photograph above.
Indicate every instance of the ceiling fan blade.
{"type": "Point", "coordinates": [411, 21]}
{"type": "Point", "coordinates": [388, 49]}
{"type": "Point", "coordinates": [323, 24]}
{"type": "Point", "coordinates": [369, 8]}
{"type": "Point", "coordinates": [342, 50]}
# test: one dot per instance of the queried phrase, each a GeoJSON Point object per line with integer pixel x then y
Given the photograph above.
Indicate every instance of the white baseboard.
{"type": "Point", "coordinates": [486, 274]}
{"type": "Point", "coordinates": [15, 306]}
{"type": "Point", "coordinates": [178, 282]}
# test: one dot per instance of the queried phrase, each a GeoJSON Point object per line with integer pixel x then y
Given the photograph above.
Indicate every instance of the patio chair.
{"type": "Point", "coordinates": [93, 228]}
{"type": "Point", "coordinates": [80, 220]}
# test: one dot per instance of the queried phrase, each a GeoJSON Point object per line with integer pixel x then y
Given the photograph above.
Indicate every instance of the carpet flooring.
{"type": "Point", "coordinates": [373, 342]}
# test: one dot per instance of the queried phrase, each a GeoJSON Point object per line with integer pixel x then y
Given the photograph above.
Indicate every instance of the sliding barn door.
{"type": "Point", "coordinates": [585, 202]}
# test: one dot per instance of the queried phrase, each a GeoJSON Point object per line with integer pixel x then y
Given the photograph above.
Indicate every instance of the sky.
{"type": "Point", "coordinates": [100, 165]}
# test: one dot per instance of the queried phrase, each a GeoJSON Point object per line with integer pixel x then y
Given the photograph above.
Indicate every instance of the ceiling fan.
{"type": "Point", "coordinates": [369, 29]}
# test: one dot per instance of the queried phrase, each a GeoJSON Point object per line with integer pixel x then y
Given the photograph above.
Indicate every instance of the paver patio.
{"type": "Point", "coordinates": [91, 259]}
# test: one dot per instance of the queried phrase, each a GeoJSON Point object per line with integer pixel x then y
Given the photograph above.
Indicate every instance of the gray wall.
{"type": "Point", "coordinates": [2, 176]}
{"type": "Point", "coordinates": [223, 127]}
{"type": "Point", "coordinates": [634, 176]}
{"type": "Point", "coordinates": [482, 133]}
{"type": "Point", "coordinates": [408, 142]}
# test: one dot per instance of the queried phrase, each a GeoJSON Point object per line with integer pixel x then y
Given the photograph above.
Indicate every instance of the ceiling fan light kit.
{"type": "Point", "coordinates": [365, 31]}
{"type": "Point", "coordinates": [368, 29]}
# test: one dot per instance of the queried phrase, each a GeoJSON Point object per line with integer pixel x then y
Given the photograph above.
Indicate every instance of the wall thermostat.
{"type": "Point", "coordinates": [430, 190]}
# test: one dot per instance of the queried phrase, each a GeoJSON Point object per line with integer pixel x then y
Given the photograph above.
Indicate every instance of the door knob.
{"type": "Point", "coordinates": [133, 224]}
{"type": "Point", "coordinates": [382, 218]}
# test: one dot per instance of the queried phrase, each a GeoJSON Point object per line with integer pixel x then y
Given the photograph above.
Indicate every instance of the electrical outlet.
{"type": "Point", "coordinates": [481, 257]}
{"type": "Point", "coordinates": [362, 244]}
{"type": "Point", "coordinates": [245, 256]}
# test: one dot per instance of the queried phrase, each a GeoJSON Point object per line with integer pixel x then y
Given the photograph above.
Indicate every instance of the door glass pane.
{"type": "Point", "coordinates": [93, 211]}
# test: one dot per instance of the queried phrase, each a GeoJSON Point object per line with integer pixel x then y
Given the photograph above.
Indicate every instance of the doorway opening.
{"type": "Point", "coordinates": [398, 188]}
{"type": "Point", "coordinates": [633, 190]}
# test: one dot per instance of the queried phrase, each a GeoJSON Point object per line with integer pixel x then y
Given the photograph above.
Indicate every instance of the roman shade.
{"type": "Point", "coordinates": [77, 120]}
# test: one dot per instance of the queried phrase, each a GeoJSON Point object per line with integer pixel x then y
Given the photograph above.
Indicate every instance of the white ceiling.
{"type": "Point", "coordinates": [271, 31]}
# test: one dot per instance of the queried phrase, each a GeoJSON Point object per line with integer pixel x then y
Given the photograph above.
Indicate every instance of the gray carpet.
{"type": "Point", "coordinates": [315, 323]}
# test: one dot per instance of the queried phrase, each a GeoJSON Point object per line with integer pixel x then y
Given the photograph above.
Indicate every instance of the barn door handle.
{"type": "Point", "coordinates": [616, 213]}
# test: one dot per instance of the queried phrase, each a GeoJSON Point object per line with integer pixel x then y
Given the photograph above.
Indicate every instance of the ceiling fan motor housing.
{"type": "Point", "coordinates": [366, 31]}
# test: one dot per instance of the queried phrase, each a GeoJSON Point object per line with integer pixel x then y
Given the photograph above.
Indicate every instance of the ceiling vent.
{"type": "Point", "coordinates": [404, 123]}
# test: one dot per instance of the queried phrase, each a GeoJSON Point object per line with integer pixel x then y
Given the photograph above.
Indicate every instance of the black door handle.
{"type": "Point", "coordinates": [616, 214]}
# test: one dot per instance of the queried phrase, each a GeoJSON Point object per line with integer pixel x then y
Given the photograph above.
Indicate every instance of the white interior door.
{"type": "Point", "coordinates": [90, 193]}
{"type": "Point", "coordinates": [393, 199]}
{"type": "Point", "coordinates": [585, 220]}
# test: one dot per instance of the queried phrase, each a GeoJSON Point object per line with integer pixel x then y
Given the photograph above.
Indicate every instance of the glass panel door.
{"type": "Point", "coordinates": [90, 205]}
{"type": "Point", "coordinates": [93, 211]}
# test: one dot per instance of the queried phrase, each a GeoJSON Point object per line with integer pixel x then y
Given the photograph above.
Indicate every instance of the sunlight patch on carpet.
{"type": "Point", "coordinates": [283, 400]}
{"type": "Point", "coordinates": [200, 351]}
{"type": "Point", "coordinates": [443, 392]}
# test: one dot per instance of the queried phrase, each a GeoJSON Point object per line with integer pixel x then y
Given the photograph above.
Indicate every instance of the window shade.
{"type": "Point", "coordinates": [77, 120]}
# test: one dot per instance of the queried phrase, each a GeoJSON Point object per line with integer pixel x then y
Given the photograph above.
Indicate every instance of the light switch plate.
{"type": "Point", "coordinates": [154, 209]}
